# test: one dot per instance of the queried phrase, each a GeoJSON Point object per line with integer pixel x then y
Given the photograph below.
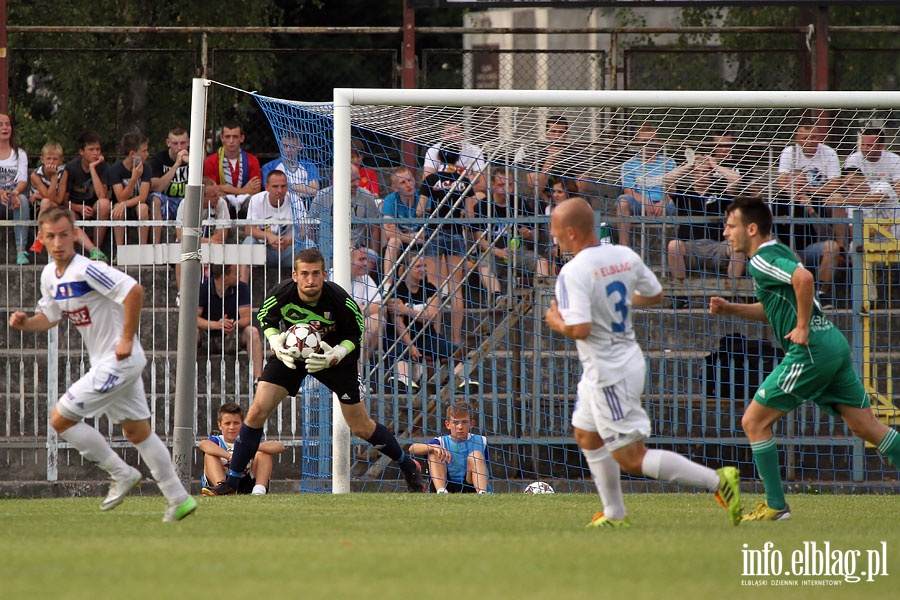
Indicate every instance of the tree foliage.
{"type": "Point", "coordinates": [62, 84]}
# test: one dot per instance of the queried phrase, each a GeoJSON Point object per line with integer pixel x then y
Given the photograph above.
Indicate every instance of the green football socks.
{"type": "Point", "coordinates": [765, 456]}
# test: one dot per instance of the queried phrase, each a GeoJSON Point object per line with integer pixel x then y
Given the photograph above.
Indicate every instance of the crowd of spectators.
{"type": "Point", "coordinates": [456, 217]}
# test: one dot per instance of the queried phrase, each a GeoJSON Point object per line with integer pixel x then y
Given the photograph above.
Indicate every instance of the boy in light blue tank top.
{"type": "Point", "coordinates": [458, 463]}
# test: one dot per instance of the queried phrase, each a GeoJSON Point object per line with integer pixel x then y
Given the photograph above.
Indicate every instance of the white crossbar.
{"type": "Point", "coordinates": [162, 254]}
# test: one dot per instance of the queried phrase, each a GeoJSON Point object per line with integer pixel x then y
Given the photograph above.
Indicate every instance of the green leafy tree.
{"type": "Point", "coordinates": [62, 84]}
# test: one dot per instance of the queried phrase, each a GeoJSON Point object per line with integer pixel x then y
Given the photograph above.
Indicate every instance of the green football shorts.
{"type": "Point", "coordinates": [827, 382]}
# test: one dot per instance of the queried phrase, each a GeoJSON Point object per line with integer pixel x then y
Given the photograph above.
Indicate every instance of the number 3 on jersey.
{"type": "Point", "coordinates": [620, 306]}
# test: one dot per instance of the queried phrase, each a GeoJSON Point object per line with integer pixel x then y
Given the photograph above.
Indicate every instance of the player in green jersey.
{"type": "Point", "coordinates": [816, 367]}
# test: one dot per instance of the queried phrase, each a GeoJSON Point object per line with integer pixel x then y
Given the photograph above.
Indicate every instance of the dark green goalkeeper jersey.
{"type": "Point", "coordinates": [771, 268]}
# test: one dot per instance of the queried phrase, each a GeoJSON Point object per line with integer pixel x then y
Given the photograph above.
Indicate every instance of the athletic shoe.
{"type": "Point", "coordinates": [415, 483]}
{"type": "Point", "coordinates": [178, 511]}
{"type": "Point", "coordinates": [468, 385]}
{"type": "Point", "coordinates": [762, 512]}
{"type": "Point", "coordinates": [729, 493]}
{"type": "Point", "coordinates": [118, 489]}
{"type": "Point", "coordinates": [98, 254]}
{"type": "Point", "coordinates": [259, 490]}
{"type": "Point", "coordinates": [602, 521]}
{"type": "Point", "coordinates": [22, 258]}
{"type": "Point", "coordinates": [220, 489]}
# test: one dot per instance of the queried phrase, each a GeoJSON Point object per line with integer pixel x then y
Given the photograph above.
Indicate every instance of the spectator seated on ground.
{"type": "Point", "coordinates": [457, 462]}
{"type": "Point", "coordinates": [217, 451]}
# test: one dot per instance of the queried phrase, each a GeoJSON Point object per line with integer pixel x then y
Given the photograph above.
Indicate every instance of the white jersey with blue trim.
{"type": "Point", "coordinates": [90, 294]}
{"type": "Point", "coordinates": [596, 287]}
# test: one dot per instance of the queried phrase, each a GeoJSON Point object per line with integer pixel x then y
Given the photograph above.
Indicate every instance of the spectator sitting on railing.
{"type": "Point", "coordinates": [398, 207]}
{"type": "Point", "coordinates": [469, 157]}
{"type": "Point", "coordinates": [502, 239]}
{"type": "Point", "coordinates": [702, 191]}
{"type": "Point", "coordinates": [457, 463]}
{"type": "Point", "coordinates": [364, 206]}
{"type": "Point", "coordinates": [561, 189]}
{"type": "Point", "coordinates": [14, 205]}
{"type": "Point", "coordinates": [212, 207]}
{"type": "Point", "coordinates": [48, 189]}
{"type": "Point", "coordinates": [809, 172]}
{"type": "Point", "coordinates": [271, 205]}
{"type": "Point", "coordinates": [236, 171]}
{"type": "Point", "coordinates": [217, 451]}
{"type": "Point", "coordinates": [415, 327]}
{"type": "Point", "coordinates": [302, 174]}
{"type": "Point", "coordinates": [169, 170]}
{"type": "Point", "coordinates": [129, 179]}
{"type": "Point", "coordinates": [446, 196]}
{"type": "Point", "coordinates": [643, 177]}
{"type": "Point", "coordinates": [224, 306]}
{"type": "Point", "coordinates": [86, 189]}
{"type": "Point", "coordinates": [552, 155]}
{"type": "Point", "coordinates": [871, 183]}
{"type": "Point", "coordinates": [368, 178]}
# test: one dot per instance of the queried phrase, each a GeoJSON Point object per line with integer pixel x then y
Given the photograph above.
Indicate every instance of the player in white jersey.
{"type": "Point", "coordinates": [105, 305]}
{"type": "Point", "coordinates": [595, 294]}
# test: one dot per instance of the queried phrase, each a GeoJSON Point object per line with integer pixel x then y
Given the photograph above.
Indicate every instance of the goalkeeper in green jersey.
{"type": "Point", "coordinates": [816, 366]}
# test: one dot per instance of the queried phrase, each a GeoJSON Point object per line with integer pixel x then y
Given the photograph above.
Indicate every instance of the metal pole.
{"type": "Point", "coordinates": [821, 83]}
{"type": "Point", "coordinates": [4, 62]}
{"type": "Point", "coordinates": [340, 464]}
{"type": "Point", "coordinates": [408, 75]}
{"type": "Point", "coordinates": [186, 362]}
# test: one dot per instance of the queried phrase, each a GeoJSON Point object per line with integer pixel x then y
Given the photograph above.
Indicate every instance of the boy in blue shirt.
{"type": "Point", "coordinates": [457, 462]}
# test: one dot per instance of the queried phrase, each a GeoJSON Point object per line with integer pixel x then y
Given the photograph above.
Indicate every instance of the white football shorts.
{"type": "Point", "coordinates": [614, 411]}
{"type": "Point", "coordinates": [111, 387]}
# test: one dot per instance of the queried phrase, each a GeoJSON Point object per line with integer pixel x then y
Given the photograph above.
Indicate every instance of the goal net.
{"type": "Point", "coordinates": [447, 204]}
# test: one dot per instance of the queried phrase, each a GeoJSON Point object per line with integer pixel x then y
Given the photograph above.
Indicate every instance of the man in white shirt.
{"type": "Point", "coordinates": [104, 304]}
{"type": "Point", "coordinates": [809, 172]}
{"type": "Point", "coordinates": [872, 179]}
{"type": "Point", "coordinates": [271, 205]}
{"type": "Point", "coordinates": [595, 294]}
{"type": "Point", "coordinates": [470, 158]}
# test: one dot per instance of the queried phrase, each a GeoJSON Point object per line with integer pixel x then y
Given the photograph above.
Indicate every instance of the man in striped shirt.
{"type": "Point", "coordinates": [817, 365]}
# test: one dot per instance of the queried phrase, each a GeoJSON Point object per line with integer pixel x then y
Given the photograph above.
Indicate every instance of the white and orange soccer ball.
{"type": "Point", "coordinates": [301, 340]}
{"type": "Point", "coordinates": [539, 487]}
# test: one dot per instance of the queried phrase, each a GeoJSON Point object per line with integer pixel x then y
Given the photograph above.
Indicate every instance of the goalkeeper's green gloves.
{"type": "Point", "coordinates": [326, 357]}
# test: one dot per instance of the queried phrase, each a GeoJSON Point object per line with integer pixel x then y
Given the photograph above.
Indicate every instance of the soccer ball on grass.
{"type": "Point", "coordinates": [302, 340]}
{"type": "Point", "coordinates": [539, 487]}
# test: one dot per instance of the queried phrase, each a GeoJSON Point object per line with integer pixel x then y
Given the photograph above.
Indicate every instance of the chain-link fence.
{"type": "Point", "coordinates": [490, 67]}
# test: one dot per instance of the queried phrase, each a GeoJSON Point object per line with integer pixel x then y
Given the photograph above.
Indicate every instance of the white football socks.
{"type": "Point", "coordinates": [155, 454]}
{"type": "Point", "coordinates": [94, 447]}
{"type": "Point", "coordinates": [668, 466]}
{"type": "Point", "coordinates": [607, 477]}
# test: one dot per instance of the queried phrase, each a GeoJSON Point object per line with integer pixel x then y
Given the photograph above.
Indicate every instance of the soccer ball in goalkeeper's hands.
{"type": "Point", "coordinates": [539, 487]}
{"type": "Point", "coordinates": [302, 340]}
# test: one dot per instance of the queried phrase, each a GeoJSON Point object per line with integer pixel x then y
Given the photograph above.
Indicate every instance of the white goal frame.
{"type": "Point", "coordinates": [345, 98]}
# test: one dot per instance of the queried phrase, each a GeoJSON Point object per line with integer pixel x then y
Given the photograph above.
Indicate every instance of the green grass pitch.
{"type": "Point", "coordinates": [387, 546]}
